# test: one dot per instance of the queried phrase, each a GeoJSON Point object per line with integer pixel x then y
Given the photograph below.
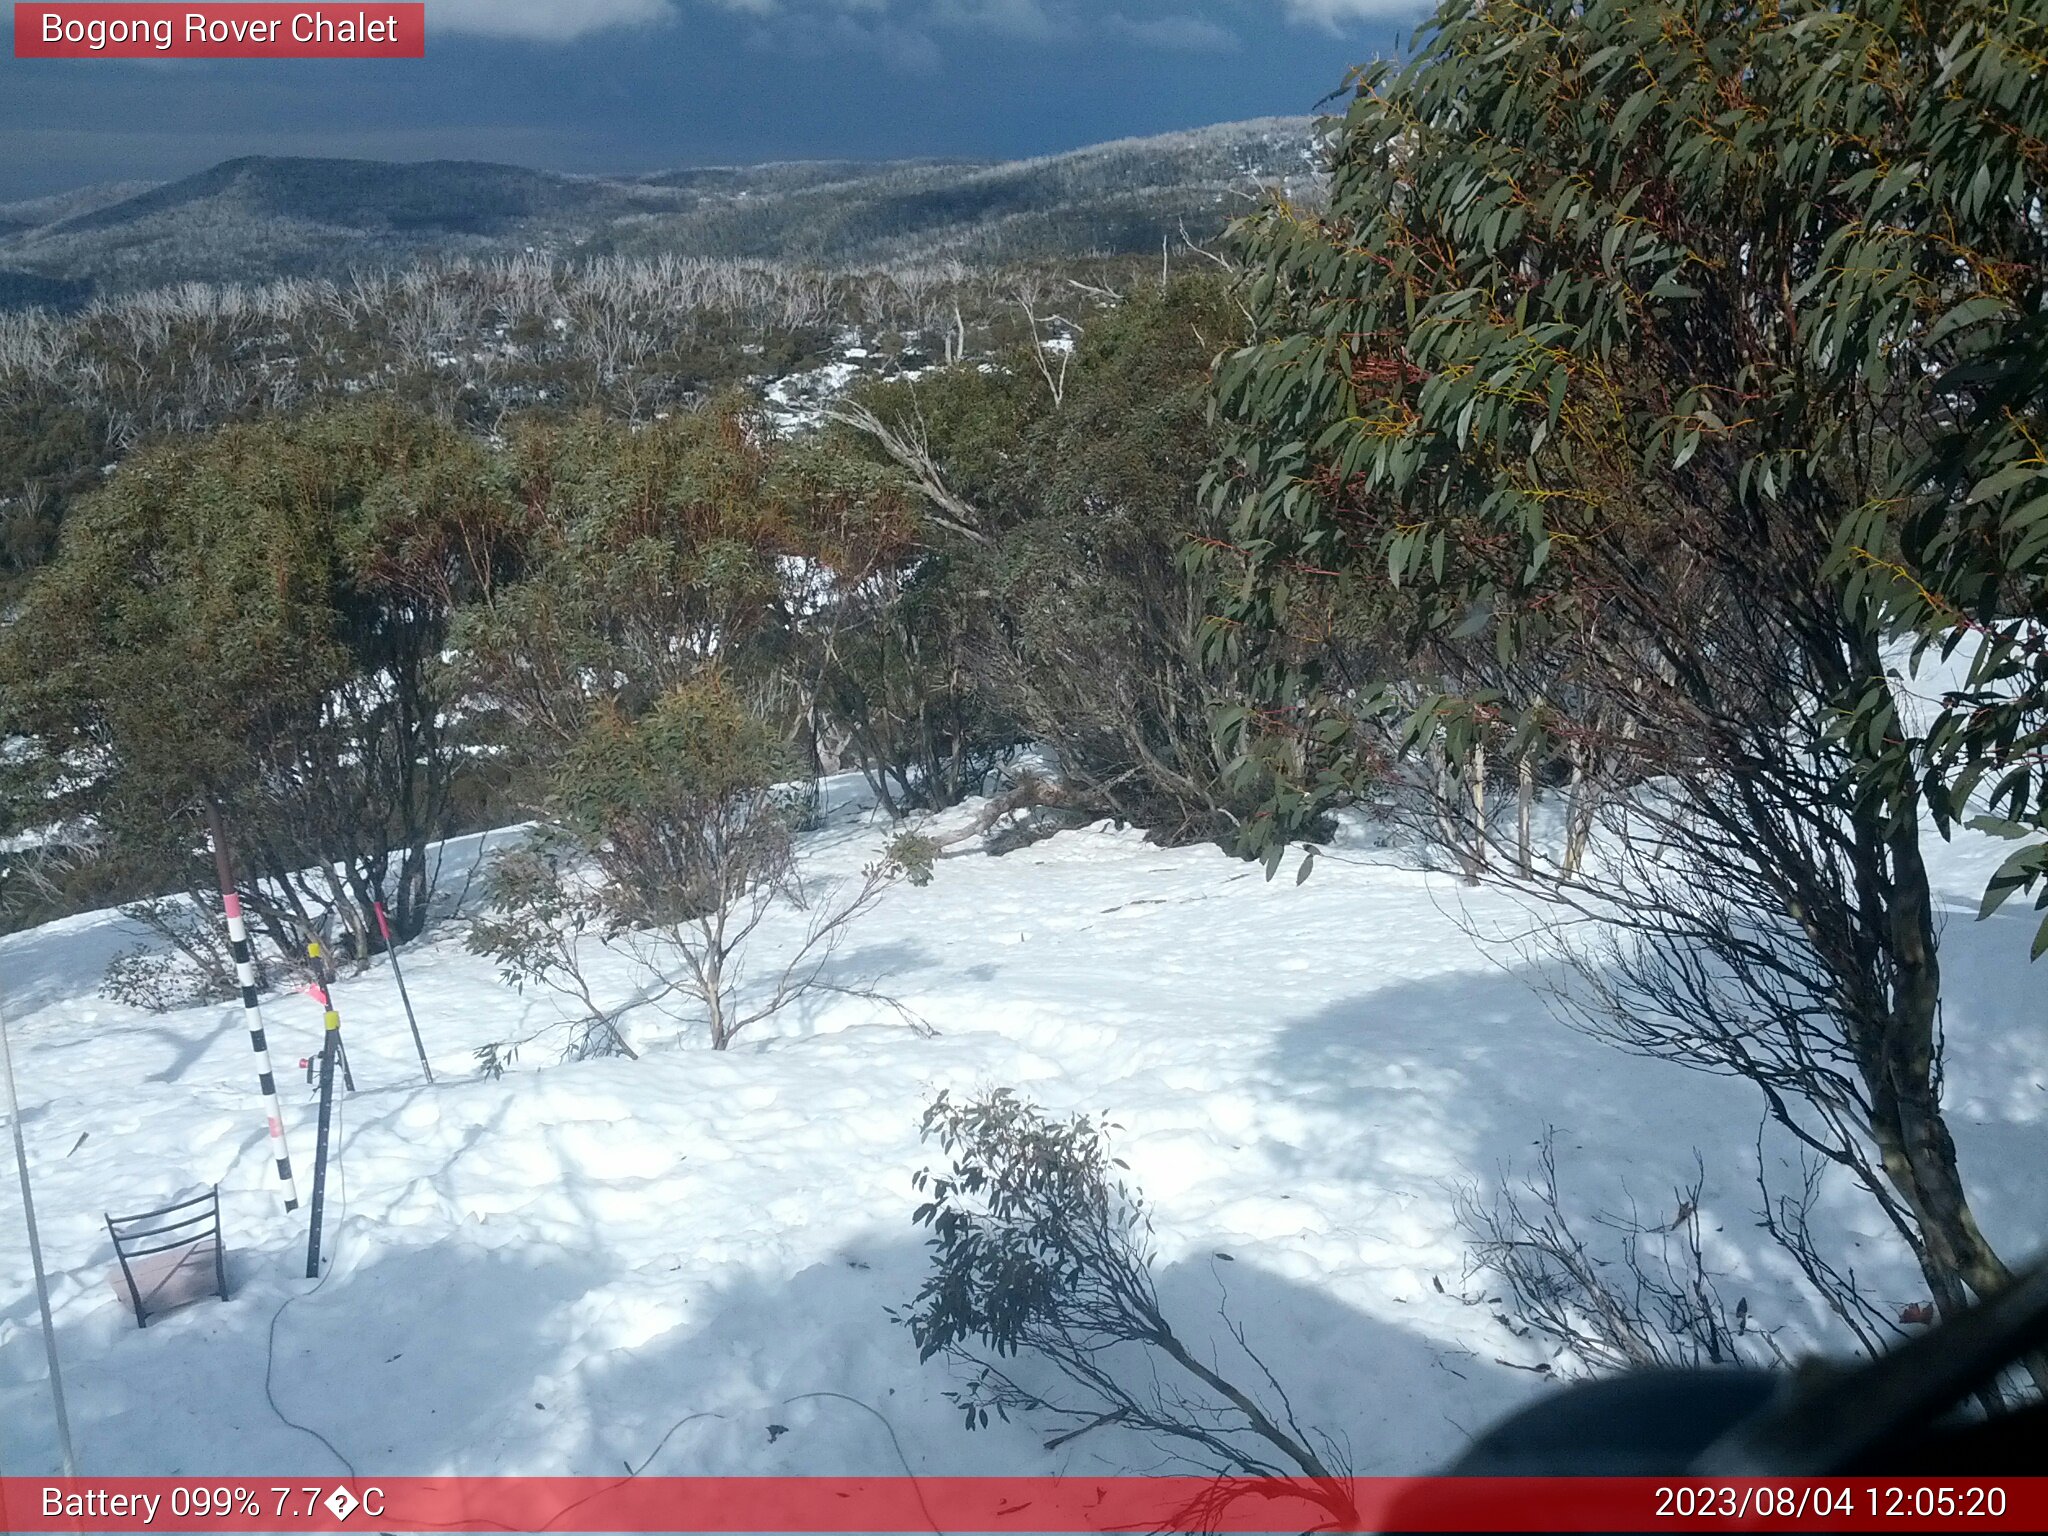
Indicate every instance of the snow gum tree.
{"type": "Point", "coordinates": [1648, 352]}
{"type": "Point", "coordinates": [651, 673]}
{"type": "Point", "coordinates": [1058, 489]}
{"type": "Point", "coordinates": [252, 623]}
{"type": "Point", "coordinates": [649, 555]}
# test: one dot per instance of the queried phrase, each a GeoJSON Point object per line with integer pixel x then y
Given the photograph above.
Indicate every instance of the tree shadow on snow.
{"type": "Point", "coordinates": [536, 1358]}
{"type": "Point", "coordinates": [1459, 1071]}
{"type": "Point", "coordinates": [1419, 1087]}
{"type": "Point", "coordinates": [1436, 1089]}
{"type": "Point", "coordinates": [62, 960]}
{"type": "Point", "coordinates": [855, 988]}
{"type": "Point", "coordinates": [1995, 1017]}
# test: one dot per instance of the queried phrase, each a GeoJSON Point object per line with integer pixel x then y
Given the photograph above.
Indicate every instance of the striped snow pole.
{"type": "Point", "coordinates": [245, 975]}
{"type": "Point", "coordinates": [330, 1044]}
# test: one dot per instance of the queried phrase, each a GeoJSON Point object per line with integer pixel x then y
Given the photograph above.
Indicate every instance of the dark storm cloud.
{"type": "Point", "coordinates": [615, 85]}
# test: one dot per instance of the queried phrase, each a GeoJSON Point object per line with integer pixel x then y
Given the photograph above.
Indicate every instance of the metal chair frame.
{"type": "Point", "coordinates": [206, 1223]}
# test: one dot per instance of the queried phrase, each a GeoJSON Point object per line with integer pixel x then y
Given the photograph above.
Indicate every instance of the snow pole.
{"type": "Point", "coordinates": [35, 1257]}
{"type": "Point", "coordinates": [391, 949]}
{"type": "Point", "coordinates": [330, 1042]}
{"type": "Point", "coordinates": [252, 1014]}
{"type": "Point", "coordinates": [348, 1077]}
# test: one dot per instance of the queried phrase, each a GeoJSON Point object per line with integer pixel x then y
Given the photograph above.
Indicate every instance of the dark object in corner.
{"type": "Point", "coordinates": [1907, 1414]}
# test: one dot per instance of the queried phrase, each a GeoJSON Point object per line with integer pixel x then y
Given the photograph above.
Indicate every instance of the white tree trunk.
{"type": "Point", "coordinates": [1476, 864]}
{"type": "Point", "coordinates": [1525, 804]}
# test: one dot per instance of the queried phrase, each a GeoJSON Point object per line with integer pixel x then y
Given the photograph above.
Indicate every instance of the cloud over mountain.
{"type": "Point", "coordinates": [1184, 30]}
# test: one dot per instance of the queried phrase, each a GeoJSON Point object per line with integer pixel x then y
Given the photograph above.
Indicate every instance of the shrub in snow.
{"type": "Point", "coordinates": [1630, 1294]}
{"type": "Point", "coordinates": [1041, 1287]}
{"type": "Point", "coordinates": [916, 853]}
{"type": "Point", "coordinates": [689, 814]}
{"type": "Point", "coordinates": [540, 912]}
{"type": "Point", "coordinates": [191, 965]}
{"type": "Point", "coordinates": [677, 839]}
{"type": "Point", "coordinates": [897, 694]}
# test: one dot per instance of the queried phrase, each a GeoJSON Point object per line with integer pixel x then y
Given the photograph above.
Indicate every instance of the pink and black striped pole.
{"type": "Point", "coordinates": [391, 949]}
{"type": "Point", "coordinates": [245, 976]}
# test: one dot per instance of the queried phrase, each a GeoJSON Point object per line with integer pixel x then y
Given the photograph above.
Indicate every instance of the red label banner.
{"type": "Point", "coordinates": [109, 30]}
{"type": "Point", "coordinates": [961, 1505]}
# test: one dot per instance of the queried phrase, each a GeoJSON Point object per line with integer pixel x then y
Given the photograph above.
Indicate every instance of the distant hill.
{"type": "Point", "coordinates": [258, 218]}
{"type": "Point", "coordinates": [38, 211]}
{"type": "Point", "coordinates": [1117, 197]}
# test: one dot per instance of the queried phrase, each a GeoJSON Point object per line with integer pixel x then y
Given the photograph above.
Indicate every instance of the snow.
{"type": "Point", "coordinates": [547, 1272]}
{"type": "Point", "coordinates": [798, 401]}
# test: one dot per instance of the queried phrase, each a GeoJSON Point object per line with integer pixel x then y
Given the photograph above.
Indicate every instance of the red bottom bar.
{"type": "Point", "coordinates": [958, 1505]}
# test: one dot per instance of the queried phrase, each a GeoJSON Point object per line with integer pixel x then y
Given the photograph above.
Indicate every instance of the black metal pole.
{"type": "Point", "coordinates": [391, 949]}
{"type": "Point", "coordinates": [330, 1043]}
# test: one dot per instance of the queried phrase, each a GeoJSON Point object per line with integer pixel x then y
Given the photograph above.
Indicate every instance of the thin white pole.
{"type": "Point", "coordinates": [35, 1255]}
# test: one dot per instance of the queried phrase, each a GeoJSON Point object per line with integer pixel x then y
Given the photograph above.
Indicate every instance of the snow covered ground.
{"type": "Point", "coordinates": [549, 1272]}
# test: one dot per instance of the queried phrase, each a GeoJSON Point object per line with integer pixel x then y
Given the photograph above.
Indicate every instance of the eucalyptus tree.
{"type": "Point", "coordinates": [249, 627]}
{"type": "Point", "coordinates": [1649, 353]}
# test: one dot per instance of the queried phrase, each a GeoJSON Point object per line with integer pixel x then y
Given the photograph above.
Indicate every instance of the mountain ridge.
{"type": "Point", "coordinates": [255, 218]}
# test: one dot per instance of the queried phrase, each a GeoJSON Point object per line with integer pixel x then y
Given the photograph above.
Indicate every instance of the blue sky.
{"type": "Point", "coordinates": [622, 85]}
